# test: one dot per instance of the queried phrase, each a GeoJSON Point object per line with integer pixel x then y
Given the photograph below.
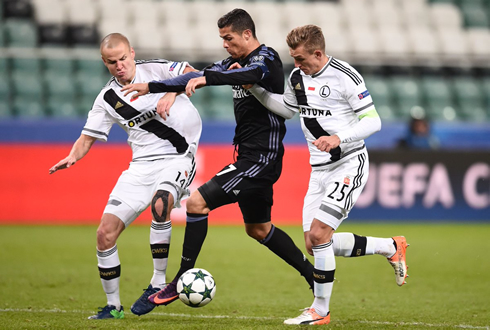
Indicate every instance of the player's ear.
{"type": "Point", "coordinates": [247, 34]}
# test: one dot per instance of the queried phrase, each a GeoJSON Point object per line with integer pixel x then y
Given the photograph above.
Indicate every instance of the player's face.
{"type": "Point", "coordinates": [234, 43]}
{"type": "Point", "coordinates": [119, 61]}
{"type": "Point", "coordinates": [304, 60]}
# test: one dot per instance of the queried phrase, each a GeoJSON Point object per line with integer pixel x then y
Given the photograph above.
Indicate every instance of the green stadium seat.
{"type": "Point", "coordinates": [4, 66]}
{"type": "Point", "coordinates": [438, 99]}
{"type": "Point", "coordinates": [5, 90]}
{"type": "Point", "coordinates": [91, 67]}
{"type": "Point", "coordinates": [379, 89]}
{"type": "Point", "coordinates": [220, 103]}
{"type": "Point", "coordinates": [199, 99]}
{"type": "Point", "coordinates": [20, 33]}
{"type": "Point", "coordinates": [5, 109]}
{"type": "Point", "coordinates": [2, 35]}
{"type": "Point", "coordinates": [469, 98]}
{"type": "Point", "coordinates": [61, 107]}
{"type": "Point", "coordinates": [61, 86]}
{"type": "Point", "coordinates": [27, 85]}
{"type": "Point", "coordinates": [59, 66]}
{"type": "Point", "coordinates": [386, 113]}
{"type": "Point", "coordinates": [84, 104]}
{"type": "Point", "coordinates": [28, 108]}
{"type": "Point", "coordinates": [485, 87]}
{"type": "Point", "coordinates": [30, 66]}
{"type": "Point", "coordinates": [90, 84]}
{"type": "Point", "coordinates": [474, 15]}
{"type": "Point", "coordinates": [407, 94]}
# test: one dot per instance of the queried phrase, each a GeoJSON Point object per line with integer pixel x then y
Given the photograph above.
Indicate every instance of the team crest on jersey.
{"type": "Point", "coordinates": [324, 91]}
{"type": "Point", "coordinates": [347, 180]}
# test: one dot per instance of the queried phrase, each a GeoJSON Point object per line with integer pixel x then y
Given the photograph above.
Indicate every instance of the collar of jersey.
{"type": "Point", "coordinates": [324, 68]}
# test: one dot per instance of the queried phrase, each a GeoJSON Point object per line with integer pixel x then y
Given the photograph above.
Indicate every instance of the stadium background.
{"type": "Point", "coordinates": [412, 53]}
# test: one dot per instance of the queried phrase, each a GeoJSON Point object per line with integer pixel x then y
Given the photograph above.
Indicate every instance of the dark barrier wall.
{"type": "Point", "coordinates": [426, 186]}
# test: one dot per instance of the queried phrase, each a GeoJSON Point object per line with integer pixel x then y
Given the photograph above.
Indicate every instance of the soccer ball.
{"type": "Point", "coordinates": [196, 287]}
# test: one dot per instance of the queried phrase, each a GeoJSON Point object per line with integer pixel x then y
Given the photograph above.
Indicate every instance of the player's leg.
{"type": "Point", "coordinates": [195, 233]}
{"type": "Point", "coordinates": [109, 265]}
{"type": "Point", "coordinates": [350, 179]}
{"type": "Point", "coordinates": [127, 200]}
{"type": "Point", "coordinates": [255, 203]}
{"type": "Point", "coordinates": [160, 234]}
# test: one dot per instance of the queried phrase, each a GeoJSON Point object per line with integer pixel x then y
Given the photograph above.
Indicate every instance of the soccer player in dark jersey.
{"type": "Point", "coordinates": [258, 139]}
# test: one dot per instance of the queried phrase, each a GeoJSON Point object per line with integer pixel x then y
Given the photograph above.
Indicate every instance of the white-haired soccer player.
{"type": "Point", "coordinates": [337, 114]}
{"type": "Point", "coordinates": [159, 174]}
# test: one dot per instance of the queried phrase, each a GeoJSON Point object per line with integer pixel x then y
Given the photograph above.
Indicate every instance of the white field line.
{"type": "Point", "coordinates": [420, 324]}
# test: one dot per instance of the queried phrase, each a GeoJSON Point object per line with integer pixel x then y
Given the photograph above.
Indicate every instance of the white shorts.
{"type": "Point", "coordinates": [332, 192]}
{"type": "Point", "coordinates": [136, 186]}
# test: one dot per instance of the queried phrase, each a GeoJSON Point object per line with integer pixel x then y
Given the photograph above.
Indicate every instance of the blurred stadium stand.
{"type": "Point", "coordinates": [433, 54]}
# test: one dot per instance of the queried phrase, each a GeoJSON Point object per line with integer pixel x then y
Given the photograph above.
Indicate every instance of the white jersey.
{"type": "Point", "coordinates": [149, 136]}
{"type": "Point", "coordinates": [328, 102]}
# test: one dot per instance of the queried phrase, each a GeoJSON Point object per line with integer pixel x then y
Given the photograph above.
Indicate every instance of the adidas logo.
{"type": "Point", "coordinates": [236, 192]}
{"type": "Point", "coordinates": [297, 87]}
{"type": "Point", "coordinates": [118, 105]}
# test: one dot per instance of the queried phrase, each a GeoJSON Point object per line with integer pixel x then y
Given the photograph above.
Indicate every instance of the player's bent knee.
{"type": "Point", "coordinates": [161, 205]}
{"type": "Point", "coordinates": [196, 204]}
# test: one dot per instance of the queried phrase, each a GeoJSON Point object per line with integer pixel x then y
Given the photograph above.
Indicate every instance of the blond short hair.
{"type": "Point", "coordinates": [310, 36]}
{"type": "Point", "coordinates": [113, 40]}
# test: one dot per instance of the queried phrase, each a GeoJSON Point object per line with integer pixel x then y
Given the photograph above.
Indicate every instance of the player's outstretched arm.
{"type": "Point", "coordinates": [78, 151]}
{"type": "Point", "coordinates": [273, 102]}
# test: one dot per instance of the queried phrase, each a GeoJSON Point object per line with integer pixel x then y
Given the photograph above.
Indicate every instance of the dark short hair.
{"type": "Point", "coordinates": [239, 20]}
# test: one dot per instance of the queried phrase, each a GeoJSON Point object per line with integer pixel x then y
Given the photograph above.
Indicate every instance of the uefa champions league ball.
{"type": "Point", "coordinates": [196, 287]}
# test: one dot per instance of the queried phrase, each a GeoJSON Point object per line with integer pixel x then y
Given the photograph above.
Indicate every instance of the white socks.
{"type": "Point", "coordinates": [323, 277]}
{"type": "Point", "coordinates": [110, 273]}
{"type": "Point", "coordinates": [160, 234]}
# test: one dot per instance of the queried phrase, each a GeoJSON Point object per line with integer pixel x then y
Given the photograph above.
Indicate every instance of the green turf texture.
{"type": "Point", "coordinates": [49, 280]}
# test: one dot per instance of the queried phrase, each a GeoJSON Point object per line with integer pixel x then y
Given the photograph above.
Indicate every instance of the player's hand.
{"type": "Point", "coordinates": [140, 89]}
{"type": "Point", "coordinates": [327, 143]}
{"type": "Point", "coordinates": [194, 84]}
{"type": "Point", "coordinates": [234, 66]}
{"type": "Point", "coordinates": [237, 65]}
{"type": "Point", "coordinates": [62, 164]}
{"type": "Point", "coordinates": [164, 104]}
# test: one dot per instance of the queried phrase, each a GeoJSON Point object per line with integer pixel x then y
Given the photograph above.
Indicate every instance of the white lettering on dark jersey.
{"type": "Point", "coordinates": [240, 93]}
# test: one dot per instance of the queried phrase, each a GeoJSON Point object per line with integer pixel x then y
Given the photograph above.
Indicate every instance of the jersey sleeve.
{"type": "Point", "coordinates": [289, 97]}
{"type": "Point", "coordinates": [174, 69]}
{"type": "Point", "coordinates": [176, 84]}
{"type": "Point", "coordinates": [356, 93]}
{"type": "Point", "coordinates": [99, 122]}
{"type": "Point", "coordinates": [256, 70]}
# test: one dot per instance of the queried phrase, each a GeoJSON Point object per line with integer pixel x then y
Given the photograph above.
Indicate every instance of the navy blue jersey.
{"type": "Point", "coordinates": [259, 132]}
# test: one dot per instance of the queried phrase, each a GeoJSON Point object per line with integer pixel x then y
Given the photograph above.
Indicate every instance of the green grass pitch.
{"type": "Point", "coordinates": [49, 280]}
